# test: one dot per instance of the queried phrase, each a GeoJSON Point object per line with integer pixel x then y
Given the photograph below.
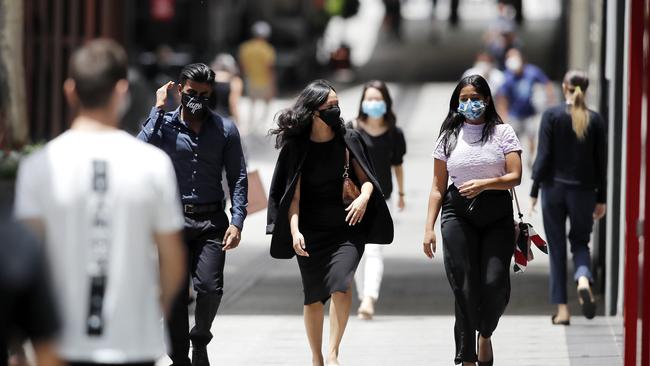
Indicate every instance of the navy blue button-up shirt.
{"type": "Point", "coordinates": [199, 159]}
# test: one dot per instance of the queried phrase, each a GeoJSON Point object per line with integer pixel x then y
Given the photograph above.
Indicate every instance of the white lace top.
{"type": "Point", "coordinates": [471, 159]}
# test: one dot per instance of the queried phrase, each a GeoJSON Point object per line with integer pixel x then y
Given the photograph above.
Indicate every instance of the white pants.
{"type": "Point", "coordinates": [370, 271]}
{"type": "Point", "coordinates": [371, 268]}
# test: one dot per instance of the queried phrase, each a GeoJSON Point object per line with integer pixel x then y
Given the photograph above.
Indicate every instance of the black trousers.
{"type": "Point", "coordinates": [203, 236]}
{"type": "Point", "coordinates": [478, 238]}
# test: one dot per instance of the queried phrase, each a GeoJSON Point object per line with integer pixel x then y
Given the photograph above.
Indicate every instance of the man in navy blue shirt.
{"type": "Point", "coordinates": [201, 145]}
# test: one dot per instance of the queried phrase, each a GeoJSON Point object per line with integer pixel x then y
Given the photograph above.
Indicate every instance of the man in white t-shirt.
{"type": "Point", "coordinates": [104, 203]}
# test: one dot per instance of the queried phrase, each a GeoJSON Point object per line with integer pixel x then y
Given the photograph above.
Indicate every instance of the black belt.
{"type": "Point", "coordinates": [189, 208]}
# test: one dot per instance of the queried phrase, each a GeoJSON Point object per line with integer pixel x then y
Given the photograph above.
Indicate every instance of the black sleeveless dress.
{"type": "Point", "coordinates": [329, 240]}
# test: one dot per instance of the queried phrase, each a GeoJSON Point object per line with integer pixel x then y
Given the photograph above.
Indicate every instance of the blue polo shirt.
{"type": "Point", "coordinates": [518, 89]}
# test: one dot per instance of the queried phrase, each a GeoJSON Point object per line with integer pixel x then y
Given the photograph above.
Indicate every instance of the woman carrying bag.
{"type": "Point", "coordinates": [571, 169]}
{"type": "Point", "coordinates": [325, 204]}
{"type": "Point", "coordinates": [481, 155]}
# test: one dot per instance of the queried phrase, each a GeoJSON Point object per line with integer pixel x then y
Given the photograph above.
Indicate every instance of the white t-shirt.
{"type": "Point", "coordinates": [102, 196]}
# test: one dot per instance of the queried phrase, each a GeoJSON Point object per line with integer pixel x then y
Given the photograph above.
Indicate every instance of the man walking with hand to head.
{"type": "Point", "coordinates": [201, 145]}
{"type": "Point", "coordinates": [104, 202]}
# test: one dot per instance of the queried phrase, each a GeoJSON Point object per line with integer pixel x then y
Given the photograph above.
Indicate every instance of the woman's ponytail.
{"type": "Point", "coordinates": [578, 81]}
{"type": "Point", "coordinates": [579, 114]}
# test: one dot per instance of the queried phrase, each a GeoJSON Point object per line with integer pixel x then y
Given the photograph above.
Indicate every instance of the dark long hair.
{"type": "Point", "coordinates": [454, 121]}
{"type": "Point", "coordinates": [389, 117]}
{"type": "Point", "coordinates": [295, 122]}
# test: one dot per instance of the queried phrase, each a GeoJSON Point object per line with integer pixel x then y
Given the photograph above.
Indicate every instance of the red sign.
{"type": "Point", "coordinates": [162, 10]}
{"type": "Point", "coordinates": [636, 294]}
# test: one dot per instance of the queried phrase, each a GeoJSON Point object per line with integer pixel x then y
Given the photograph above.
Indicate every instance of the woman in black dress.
{"type": "Point", "coordinates": [307, 215]}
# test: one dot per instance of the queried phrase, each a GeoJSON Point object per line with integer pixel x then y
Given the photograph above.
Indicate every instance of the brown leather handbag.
{"type": "Point", "coordinates": [350, 190]}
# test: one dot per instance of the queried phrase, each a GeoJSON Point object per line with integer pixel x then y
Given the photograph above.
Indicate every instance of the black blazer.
{"type": "Point", "coordinates": [377, 224]}
{"type": "Point", "coordinates": [562, 158]}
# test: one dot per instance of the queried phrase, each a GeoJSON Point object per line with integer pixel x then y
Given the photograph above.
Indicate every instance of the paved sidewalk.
{"type": "Point", "coordinates": [414, 341]}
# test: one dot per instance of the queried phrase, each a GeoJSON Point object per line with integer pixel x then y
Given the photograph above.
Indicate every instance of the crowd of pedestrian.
{"type": "Point", "coordinates": [114, 230]}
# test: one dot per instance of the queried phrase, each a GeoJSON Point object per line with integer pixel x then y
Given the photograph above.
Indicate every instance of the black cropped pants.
{"type": "Point", "coordinates": [478, 239]}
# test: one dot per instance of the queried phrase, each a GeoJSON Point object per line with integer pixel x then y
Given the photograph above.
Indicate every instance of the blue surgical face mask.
{"type": "Point", "coordinates": [374, 108]}
{"type": "Point", "coordinates": [471, 109]}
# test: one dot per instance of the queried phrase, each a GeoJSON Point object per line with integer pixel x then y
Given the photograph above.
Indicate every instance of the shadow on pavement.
{"type": "Point", "coordinates": [410, 287]}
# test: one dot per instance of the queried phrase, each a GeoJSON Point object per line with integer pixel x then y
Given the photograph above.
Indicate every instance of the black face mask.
{"type": "Point", "coordinates": [196, 106]}
{"type": "Point", "coordinates": [331, 116]}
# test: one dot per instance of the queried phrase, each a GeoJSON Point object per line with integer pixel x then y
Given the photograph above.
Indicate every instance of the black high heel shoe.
{"type": "Point", "coordinates": [484, 363]}
{"type": "Point", "coordinates": [587, 302]}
